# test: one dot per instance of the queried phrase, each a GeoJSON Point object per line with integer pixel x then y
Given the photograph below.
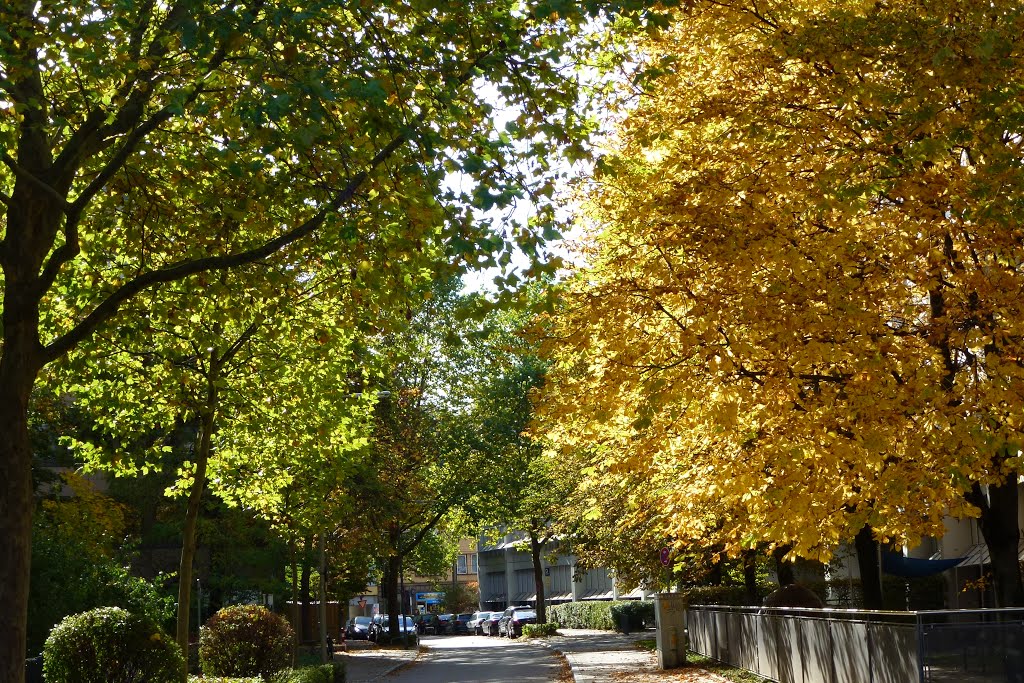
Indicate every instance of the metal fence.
{"type": "Point", "coordinates": [794, 645]}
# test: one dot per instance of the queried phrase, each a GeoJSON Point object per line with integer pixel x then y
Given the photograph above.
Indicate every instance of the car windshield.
{"type": "Point", "coordinates": [465, 617]}
{"type": "Point", "coordinates": [362, 621]}
{"type": "Point", "coordinates": [524, 614]}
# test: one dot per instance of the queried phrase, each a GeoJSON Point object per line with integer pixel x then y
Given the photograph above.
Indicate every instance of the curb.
{"type": "Point", "coordinates": [573, 665]}
{"type": "Point", "coordinates": [396, 667]}
{"type": "Point", "coordinates": [392, 669]}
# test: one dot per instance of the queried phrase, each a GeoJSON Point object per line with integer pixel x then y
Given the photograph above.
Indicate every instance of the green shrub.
{"type": "Point", "coordinates": [632, 615]}
{"type": "Point", "coordinates": [324, 673]}
{"type": "Point", "coordinates": [110, 645]}
{"type": "Point", "coordinates": [102, 582]}
{"type": "Point", "coordinates": [539, 630]}
{"type": "Point", "coordinates": [718, 595]}
{"type": "Point", "coordinates": [623, 615]}
{"type": "Point", "coordinates": [245, 640]}
{"type": "Point", "coordinates": [594, 614]}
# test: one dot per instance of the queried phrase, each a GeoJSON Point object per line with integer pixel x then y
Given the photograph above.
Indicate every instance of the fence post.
{"type": "Point", "coordinates": [920, 648]}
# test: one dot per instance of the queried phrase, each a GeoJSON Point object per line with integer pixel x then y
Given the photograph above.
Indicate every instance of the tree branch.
{"type": "Point", "coordinates": [27, 175]}
{"type": "Point", "coordinates": [107, 308]}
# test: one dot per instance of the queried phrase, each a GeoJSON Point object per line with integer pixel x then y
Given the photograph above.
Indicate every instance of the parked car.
{"type": "Point", "coordinates": [379, 630]}
{"type": "Point", "coordinates": [512, 620]}
{"type": "Point", "coordinates": [460, 624]}
{"type": "Point", "coordinates": [378, 623]}
{"type": "Point", "coordinates": [490, 625]}
{"type": "Point", "coordinates": [358, 628]}
{"type": "Point", "coordinates": [444, 624]}
{"type": "Point", "coordinates": [475, 624]}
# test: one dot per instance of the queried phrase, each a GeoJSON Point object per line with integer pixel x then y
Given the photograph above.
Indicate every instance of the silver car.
{"type": "Point", "coordinates": [476, 623]}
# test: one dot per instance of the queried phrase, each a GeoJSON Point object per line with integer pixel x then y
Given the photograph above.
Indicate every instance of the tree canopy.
{"type": "Point", "coordinates": [800, 312]}
{"type": "Point", "coordinates": [147, 143]}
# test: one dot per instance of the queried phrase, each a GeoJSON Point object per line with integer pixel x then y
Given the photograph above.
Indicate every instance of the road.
{"type": "Point", "coordinates": [480, 659]}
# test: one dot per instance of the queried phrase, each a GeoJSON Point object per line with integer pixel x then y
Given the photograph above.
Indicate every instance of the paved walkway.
{"type": "Point", "coordinates": [364, 664]}
{"type": "Point", "coordinates": [594, 656]}
{"type": "Point", "coordinates": [609, 657]}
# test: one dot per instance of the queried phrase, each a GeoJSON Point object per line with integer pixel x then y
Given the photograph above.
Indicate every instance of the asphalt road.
{"type": "Point", "coordinates": [480, 659]}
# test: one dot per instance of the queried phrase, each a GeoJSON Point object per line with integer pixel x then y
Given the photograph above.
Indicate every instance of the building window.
{"type": "Point", "coordinates": [473, 568]}
{"type": "Point", "coordinates": [462, 564]}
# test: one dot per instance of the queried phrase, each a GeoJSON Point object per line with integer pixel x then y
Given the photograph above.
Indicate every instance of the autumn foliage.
{"type": "Point", "coordinates": [801, 311]}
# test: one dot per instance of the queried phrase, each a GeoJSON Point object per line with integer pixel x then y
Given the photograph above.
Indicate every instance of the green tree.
{"type": "Point", "coordinates": [221, 371]}
{"type": "Point", "coordinates": [523, 492]}
{"type": "Point", "coordinates": [109, 113]}
{"type": "Point", "coordinates": [82, 537]}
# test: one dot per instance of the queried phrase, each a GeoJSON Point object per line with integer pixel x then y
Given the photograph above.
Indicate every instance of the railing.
{"type": "Point", "coordinates": [796, 645]}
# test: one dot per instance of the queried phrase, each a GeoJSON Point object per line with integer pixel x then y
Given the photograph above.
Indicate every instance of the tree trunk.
{"type": "Point", "coordinates": [999, 528]}
{"type": "Point", "coordinates": [296, 628]}
{"type": "Point", "coordinates": [188, 533]}
{"type": "Point", "coordinates": [538, 578]}
{"type": "Point", "coordinates": [783, 568]}
{"type": "Point", "coordinates": [870, 572]}
{"type": "Point", "coordinates": [391, 594]}
{"type": "Point", "coordinates": [750, 576]}
{"type": "Point", "coordinates": [18, 369]}
{"type": "Point", "coordinates": [306, 594]}
{"type": "Point", "coordinates": [322, 607]}
{"type": "Point", "coordinates": [716, 572]}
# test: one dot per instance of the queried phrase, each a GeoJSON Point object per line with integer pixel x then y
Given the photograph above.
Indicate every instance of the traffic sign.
{"type": "Point", "coordinates": [665, 556]}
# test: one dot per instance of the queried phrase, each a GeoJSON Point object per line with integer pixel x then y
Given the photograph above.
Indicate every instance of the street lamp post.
{"type": "Point", "coordinates": [199, 605]}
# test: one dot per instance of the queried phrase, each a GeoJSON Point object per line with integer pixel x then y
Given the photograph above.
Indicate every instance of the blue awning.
{"type": "Point", "coordinates": [898, 565]}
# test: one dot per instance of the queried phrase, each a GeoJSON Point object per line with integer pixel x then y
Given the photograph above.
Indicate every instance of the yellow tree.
{"type": "Point", "coordinates": [801, 310]}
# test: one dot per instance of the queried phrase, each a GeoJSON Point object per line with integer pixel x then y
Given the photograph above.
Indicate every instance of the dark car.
{"type": "Point", "coordinates": [490, 625]}
{"type": "Point", "coordinates": [460, 624]}
{"type": "Point", "coordinates": [378, 624]}
{"type": "Point", "coordinates": [358, 628]}
{"type": "Point", "coordinates": [379, 630]}
{"type": "Point", "coordinates": [513, 619]}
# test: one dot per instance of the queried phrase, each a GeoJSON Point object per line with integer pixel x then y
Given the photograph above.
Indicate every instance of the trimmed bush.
{"type": "Point", "coordinates": [621, 615]}
{"type": "Point", "coordinates": [245, 640]}
{"type": "Point", "coordinates": [632, 615]}
{"type": "Point", "coordinates": [539, 630]}
{"type": "Point", "coordinates": [594, 614]}
{"type": "Point", "coordinates": [110, 645]}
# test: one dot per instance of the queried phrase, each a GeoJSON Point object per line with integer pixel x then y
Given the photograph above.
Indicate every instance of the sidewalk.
{"type": "Point", "coordinates": [364, 664]}
{"type": "Point", "coordinates": [609, 657]}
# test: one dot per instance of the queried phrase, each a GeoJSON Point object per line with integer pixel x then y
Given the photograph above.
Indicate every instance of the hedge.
{"type": "Point", "coordinates": [722, 595]}
{"type": "Point", "coordinates": [324, 673]}
{"type": "Point", "coordinates": [594, 614]}
{"type": "Point", "coordinates": [624, 615]}
{"type": "Point", "coordinates": [539, 630]}
{"type": "Point", "coordinates": [632, 615]}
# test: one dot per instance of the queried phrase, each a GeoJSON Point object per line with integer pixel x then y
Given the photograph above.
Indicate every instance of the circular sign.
{"type": "Point", "coordinates": [665, 554]}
